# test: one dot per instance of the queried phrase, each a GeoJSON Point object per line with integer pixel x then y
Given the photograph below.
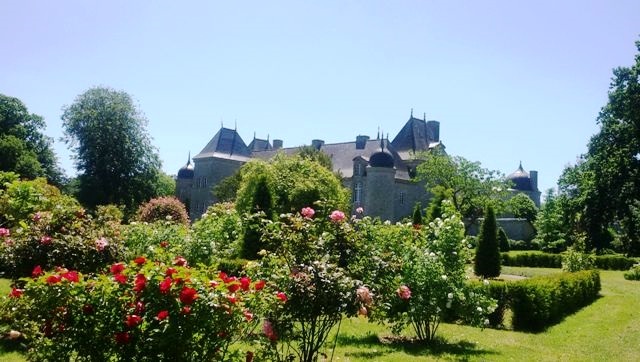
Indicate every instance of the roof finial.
{"type": "Point", "coordinates": [382, 143]}
{"type": "Point", "coordinates": [520, 167]}
{"type": "Point", "coordinates": [425, 116]}
{"type": "Point", "coordinates": [221, 123]}
{"type": "Point", "coordinates": [189, 158]}
{"type": "Point", "coordinates": [235, 124]}
{"type": "Point", "coordinates": [378, 136]}
{"type": "Point", "coordinates": [254, 135]}
{"type": "Point", "coordinates": [411, 112]}
{"type": "Point", "coordinates": [268, 137]}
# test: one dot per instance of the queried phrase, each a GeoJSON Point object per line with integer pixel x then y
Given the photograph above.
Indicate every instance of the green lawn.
{"type": "Point", "coordinates": [608, 329]}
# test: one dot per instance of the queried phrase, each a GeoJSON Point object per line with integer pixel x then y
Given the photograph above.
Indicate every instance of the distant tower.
{"type": "Point", "coordinates": [526, 183]}
{"type": "Point", "coordinates": [379, 190]}
{"type": "Point", "coordinates": [184, 182]}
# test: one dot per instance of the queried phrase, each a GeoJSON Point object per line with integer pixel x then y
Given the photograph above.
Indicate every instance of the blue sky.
{"type": "Point", "coordinates": [509, 81]}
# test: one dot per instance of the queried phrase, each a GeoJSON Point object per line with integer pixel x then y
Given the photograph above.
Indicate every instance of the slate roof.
{"type": "Point", "coordinates": [227, 143]}
{"type": "Point", "coordinates": [259, 145]}
{"type": "Point", "coordinates": [342, 155]}
{"type": "Point", "coordinates": [521, 179]}
{"type": "Point", "coordinates": [416, 135]}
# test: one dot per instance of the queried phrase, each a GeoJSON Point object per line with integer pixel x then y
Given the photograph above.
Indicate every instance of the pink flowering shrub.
{"type": "Point", "coordinates": [309, 264]}
{"type": "Point", "coordinates": [143, 310]}
{"type": "Point", "coordinates": [163, 209]}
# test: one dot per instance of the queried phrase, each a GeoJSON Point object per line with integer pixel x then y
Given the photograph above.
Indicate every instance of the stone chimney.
{"type": "Point", "coordinates": [277, 144]}
{"type": "Point", "coordinates": [317, 144]}
{"type": "Point", "coordinates": [533, 175]}
{"type": "Point", "coordinates": [361, 142]}
{"type": "Point", "coordinates": [433, 131]}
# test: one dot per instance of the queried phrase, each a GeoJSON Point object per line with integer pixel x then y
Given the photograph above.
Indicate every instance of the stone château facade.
{"type": "Point", "coordinates": [378, 172]}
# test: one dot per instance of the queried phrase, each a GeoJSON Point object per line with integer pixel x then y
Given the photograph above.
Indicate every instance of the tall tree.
{"type": "Point", "coordinates": [24, 149]}
{"type": "Point", "coordinates": [113, 153]}
{"type": "Point", "coordinates": [487, 260]}
{"type": "Point", "coordinates": [605, 185]}
{"type": "Point", "coordinates": [472, 187]}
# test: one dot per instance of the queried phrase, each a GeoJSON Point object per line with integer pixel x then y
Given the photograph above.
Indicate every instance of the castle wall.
{"type": "Point", "coordinates": [516, 229]}
{"type": "Point", "coordinates": [379, 192]}
{"type": "Point", "coordinates": [208, 173]}
{"type": "Point", "coordinates": [407, 194]}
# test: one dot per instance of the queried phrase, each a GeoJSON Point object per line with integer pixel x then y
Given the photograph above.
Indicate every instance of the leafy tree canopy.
{"type": "Point", "coordinates": [113, 153]}
{"type": "Point", "coordinates": [472, 187]}
{"type": "Point", "coordinates": [521, 206]}
{"type": "Point", "coordinates": [23, 147]}
{"type": "Point", "coordinates": [604, 186]}
{"type": "Point", "coordinates": [294, 182]}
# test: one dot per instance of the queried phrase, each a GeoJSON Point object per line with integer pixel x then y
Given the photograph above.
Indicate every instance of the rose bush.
{"type": "Point", "coordinates": [143, 310]}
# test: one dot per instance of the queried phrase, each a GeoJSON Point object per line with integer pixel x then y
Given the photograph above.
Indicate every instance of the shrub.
{"type": "Point", "coordinates": [487, 260]}
{"type": "Point", "coordinates": [417, 215]}
{"type": "Point", "coordinates": [232, 266]}
{"type": "Point", "coordinates": [215, 236]}
{"type": "Point", "coordinates": [539, 302]}
{"type": "Point", "coordinates": [163, 209]}
{"type": "Point", "coordinates": [143, 310]}
{"type": "Point", "coordinates": [261, 209]}
{"type": "Point", "coordinates": [499, 291]}
{"type": "Point", "coordinates": [576, 259]}
{"type": "Point", "coordinates": [141, 238]}
{"type": "Point", "coordinates": [432, 281]}
{"type": "Point", "coordinates": [503, 240]}
{"type": "Point", "coordinates": [534, 260]}
{"type": "Point", "coordinates": [633, 273]}
{"type": "Point", "coordinates": [614, 262]}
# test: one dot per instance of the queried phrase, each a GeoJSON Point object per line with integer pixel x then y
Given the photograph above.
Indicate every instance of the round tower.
{"type": "Point", "coordinates": [379, 191]}
{"type": "Point", "coordinates": [184, 183]}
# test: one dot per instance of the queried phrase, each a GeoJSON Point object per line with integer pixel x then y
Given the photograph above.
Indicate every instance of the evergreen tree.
{"type": "Point", "coordinates": [417, 214]}
{"type": "Point", "coordinates": [435, 206]}
{"type": "Point", "coordinates": [487, 261]}
{"type": "Point", "coordinates": [262, 208]}
{"type": "Point", "coordinates": [503, 240]}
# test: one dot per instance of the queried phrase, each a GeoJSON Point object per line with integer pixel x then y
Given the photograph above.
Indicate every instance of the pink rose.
{"type": "Point", "coordinates": [337, 216]}
{"type": "Point", "coordinates": [307, 212]}
{"type": "Point", "coordinates": [267, 329]}
{"type": "Point", "coordinates": [364, 295]}
{"type": "Point", "coordinates": [45, 240]}
{"type": "Point", "coordinates": [359, 210]}
{"type": "Point", "coordinates": [404, 292]}
{"type": "Point", "coordinates": [4, 232]}
{"type": "Point", "coordinates": [101, 244]}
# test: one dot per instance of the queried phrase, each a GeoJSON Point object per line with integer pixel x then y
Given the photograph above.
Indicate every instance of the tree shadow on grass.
{"type": "Point", "coordinates": [461, 350]}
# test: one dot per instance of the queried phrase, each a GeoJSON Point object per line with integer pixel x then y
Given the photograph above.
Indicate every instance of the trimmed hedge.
{"type": "Point", "coordinates": [542, 301]}
{"type": "Point", "coordinates": [614, 262]}
{"type": "Point", "coordinates": [536, 260]}
{"type": "Point", "coordinates": [547, 260]}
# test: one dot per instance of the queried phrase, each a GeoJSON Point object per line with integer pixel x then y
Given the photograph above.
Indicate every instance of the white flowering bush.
{"type": "Point", "coordinates": [431, 283]}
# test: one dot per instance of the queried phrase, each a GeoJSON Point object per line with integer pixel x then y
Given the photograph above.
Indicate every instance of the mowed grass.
{"type": "Point", "coordinates": [607, 330]}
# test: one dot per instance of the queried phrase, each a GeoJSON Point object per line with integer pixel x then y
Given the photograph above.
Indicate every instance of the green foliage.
{"type": "Point", "coordinates": [421, 279]}
{"type": "Point", "coordinates": [227, 189]}
{"type": "Point", "coordinates": [551, 225]}
{"type": "Point", "coordinates": [50, 229]}
{"type": "Point", "coordinates": [165, 185]}
{"type": "Point", "coordinates": [472, 187]}
{"type": "Point", "coordinates": [614, 262]}
{"type": "Point", "coordinates": [113, 153]}
{"type": "Point", "coordinates": [306, 264]}
{"type": "Point", "coordinates": [23, 147]}
{"type": "Point", "coordinates": [417, 215]}
{"type": "Point", "coordinates": [215, 236]}
{"type": "Point", "coordinates": [521, 206]}
{"type": "Point", "coordinates": [141, 238]}
{"type": "Point", "coordinates": [603, 188]}
{"type": "Point", "coordinates": [435, 205]}
{"type": "Point", "coordinates": [261, 209]}
{"type": "Point", "coordinates": [536, 260]}
{"type": "Point", "coordinates": [144, 310]}
{"type": "Point", "coordinates": [163, 209]}
{"type": "Point", "coordinates": [539, 302]}
{"type": "Point", "coordinates": [503, 240]}
{"type": "Point", "coordinates": [313, 154]}
{"type": "Point", "coordinates": [294, 183]}
{"type": "Point", "coordinates": [487, 259]}
{"type": "Point", "coordinates": [633, 273]}
{"type": "Point", "coordinates": [576, 258]}
{"type": "Point", "coordinates": [498, 291]}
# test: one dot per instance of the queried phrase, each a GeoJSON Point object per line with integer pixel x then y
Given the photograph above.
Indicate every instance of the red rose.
{"type": "Point", "coordinates": [133, 320]}
{"type": "Point", "coordinates": [170, 271]}
{"type": "Point", "coordinates": [140, 260]}
{"type": "Point", "coordinates": [45, 240]}
{"type": "Point", "coordinates": [259, 285]}
{"type": "Point", "coordinates": [120, 278]}
{"type": "Point", "coordinates": [222, 275]}
{"type": "Point", "coordinates": [139, 307]}
{"type": "Point", "coordinates": [245, 283]}
{"type": "Point", "coordinates": [213, 283]}
{"type": "Point", "coordinates": [36, 272]}
{"type": "Point", "coordinates": [140, 283]}
{"type": "Point", "coordinates": [232, 299]}
{"type": "Point", "coordinates": [71, 276]}
{"type": "Point", "coordinates": [188, 295]}
{"type": "Point", "coordinates": [53, 279]}
{"type": "Point", "coordinates": [248, 315]}
{"type": "Point", "coordinates": [233, 287]}
{"type": "Point", "coordinates": [117, 268]}
{"type": "Point", "coordinates": [122, 337]}
{"type": "Point", "coordinates": [162, 315]}
{"type": "Point", "coordinates": [282, 296]}
{"type": "Point", "coordinates": [165, 285]}
{"type": "Point", "coordinates": [180, 261]}
{"type": "Point", "coordinates": [186, 309]}
{"type": "Point", "coordinates": [16, 293]}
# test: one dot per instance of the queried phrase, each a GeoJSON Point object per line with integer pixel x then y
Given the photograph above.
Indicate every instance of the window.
{"type": "Point", "coordinates": [357, 192]}
{"type": "Point", "coordinates": [204, 182]}
{"type": "Point", "coordinates": [358, 169]}
{"type": "Point", "coordinates": [402, 198]}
